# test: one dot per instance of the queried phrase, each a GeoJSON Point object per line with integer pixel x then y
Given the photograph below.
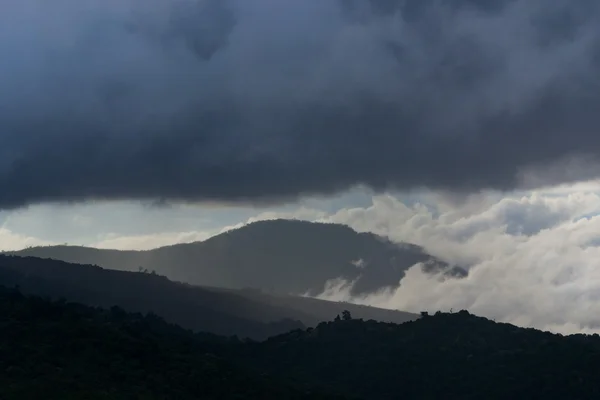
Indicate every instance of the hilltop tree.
{"type": "Point", "coordinates": [346, 316]}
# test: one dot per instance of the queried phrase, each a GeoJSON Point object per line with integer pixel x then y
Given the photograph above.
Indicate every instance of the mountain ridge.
{"type": "Point", "coordinates": [283, 256]}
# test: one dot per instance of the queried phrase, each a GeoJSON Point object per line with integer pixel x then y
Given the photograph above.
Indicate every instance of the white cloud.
{"type": "Point", "coordinates": [10, 241]}
{"type": "Point", "coordinates": [534, 257]}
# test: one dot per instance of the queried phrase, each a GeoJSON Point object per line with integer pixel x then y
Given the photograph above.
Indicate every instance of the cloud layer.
{"type": "Point", "coordinates": [13, 241]}
{"type": "Point", "coordinates": [267, 100]}
{"type": "Point", "coordinates": [533, 257]}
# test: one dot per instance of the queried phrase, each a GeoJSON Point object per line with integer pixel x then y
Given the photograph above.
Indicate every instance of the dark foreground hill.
{"type": "Point", "coordinates": [245, 313]}
{"type": "Point", "coordinates": [56, 350]}
{"type": "Point", "coordinates": [62, 351]}
{"type": "Point", "coordinates": [282, 256]}
{"type": "Point", "coordinates": [446, 356]}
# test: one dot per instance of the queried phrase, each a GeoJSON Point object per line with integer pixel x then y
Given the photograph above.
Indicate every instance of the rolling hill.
{"type": "Point", "coordinates": [280, 256]}
{"type": "Point", "coordinates": [67, 351]}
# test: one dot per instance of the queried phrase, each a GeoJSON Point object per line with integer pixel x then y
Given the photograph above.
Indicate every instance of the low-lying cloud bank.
{"type": "Point", "coordinates": [534, 258]}
{"type": "Point", "coordinates": [263, 101]}
{"type": "Point", "coordinates": [13, 241]}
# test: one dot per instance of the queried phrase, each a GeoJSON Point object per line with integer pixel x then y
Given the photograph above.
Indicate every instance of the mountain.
{"type": "Point", "coordinates": [60, 350]}
{"type": "Point", "coordinates": [282, 256]}
{"type": "Point", "coordinates": [243, 313]}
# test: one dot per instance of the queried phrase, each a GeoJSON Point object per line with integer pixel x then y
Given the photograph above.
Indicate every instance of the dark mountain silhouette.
{"type": "Point", "coordinates": [283, 256]}
{"type": "Point", "coordinates": [66, 351]}
{"type": "Point", "coordinates": [226, 312]}
{"type": "Point", "coordinates": [444, 356]}
{"type": "Point", "coordinates": [59, 350]}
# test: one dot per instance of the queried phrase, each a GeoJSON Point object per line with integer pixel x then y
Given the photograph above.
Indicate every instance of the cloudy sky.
{"type": "Point", "coordinates": [469, 127]}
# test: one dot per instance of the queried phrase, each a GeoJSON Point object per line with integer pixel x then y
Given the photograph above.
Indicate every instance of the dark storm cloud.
{"type": "Point", "coordinates": [265, 100]}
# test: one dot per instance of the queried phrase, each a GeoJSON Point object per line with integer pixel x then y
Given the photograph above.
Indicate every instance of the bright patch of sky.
{"type": "Point", "coordinates": [112, 222]}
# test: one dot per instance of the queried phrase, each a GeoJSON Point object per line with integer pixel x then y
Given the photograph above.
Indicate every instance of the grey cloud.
{"type": "Point", "coordinates": [267, 100]}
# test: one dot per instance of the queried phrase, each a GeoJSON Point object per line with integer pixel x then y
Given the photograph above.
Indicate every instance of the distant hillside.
{"type": "Point", "coordinates": [59, 350]}
{"type": "Point", "coordinates": [313, 311]}
{"type": "Point", "coordinates": [283, 256]}
{"type": "Point", "coordinates": [226, 312]}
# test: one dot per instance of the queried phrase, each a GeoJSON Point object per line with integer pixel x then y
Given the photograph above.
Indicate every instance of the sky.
{"type": "Point", "coordinates": [135, 225]}
{"type": "Point", "coordinates": [469, 127]}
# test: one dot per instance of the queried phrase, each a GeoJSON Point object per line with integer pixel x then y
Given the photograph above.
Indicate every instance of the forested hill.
{"type": "Point", "coordinates": [65, 351]}
{"type": "Point", "coordinates": [57, 350]}
{"type": "Point", "coordinates": [444, 356]}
